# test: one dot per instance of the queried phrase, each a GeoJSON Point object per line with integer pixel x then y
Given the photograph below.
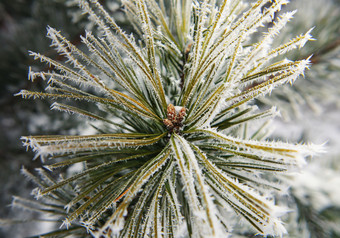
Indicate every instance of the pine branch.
{"type": "Point", "coordinates": [167, 160]}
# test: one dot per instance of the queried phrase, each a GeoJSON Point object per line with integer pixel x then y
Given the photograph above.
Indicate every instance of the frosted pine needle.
{"type": "Point", "coordinates": [172, 99]}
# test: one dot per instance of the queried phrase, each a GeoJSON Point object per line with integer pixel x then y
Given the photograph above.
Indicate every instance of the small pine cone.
{"type": "Point", "coordinates": [171, 113]}
{"type": "Point", "coordinates": [168, 124]}
{"type": "Point", "coordinates": [181, 115]}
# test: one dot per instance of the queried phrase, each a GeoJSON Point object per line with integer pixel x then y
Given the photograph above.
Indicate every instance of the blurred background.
{"type": "Point", "coordinates": [310, 109]}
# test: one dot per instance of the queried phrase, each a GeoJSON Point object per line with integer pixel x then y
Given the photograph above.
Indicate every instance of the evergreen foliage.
{"type": "Point", "coordinates": [170, 105]}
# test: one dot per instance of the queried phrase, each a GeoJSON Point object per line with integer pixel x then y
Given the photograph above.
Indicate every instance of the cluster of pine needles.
{"type": "Point", "coordinates": [170, 103]}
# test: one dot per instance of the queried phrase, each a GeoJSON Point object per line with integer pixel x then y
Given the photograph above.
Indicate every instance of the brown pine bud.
{"type": "Point", "coordinates": [169, 125]}
{"type": "Point", "coordinates": [181, 115]}
{"type": "Point", "coordinates": [171, 113]}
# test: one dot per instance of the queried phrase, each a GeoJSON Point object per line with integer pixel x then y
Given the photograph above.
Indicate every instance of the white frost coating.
{"type": "Point", "coordinates": [260, 210]}
{"type": "Point", "coordinates": [73, 110]}
{"type": "Point", "coordinates": [288, 75]}
{"type": "Point", "coordinates": [189, 184]}
{"type": "Point", "coordinates": [116, 222]}
{"type": "Point", "coordinates": [260, 49]}
{"type": "Point", "coordinates": [207, 116]}
{"type": "Point", "coordinates": [67, 49]}
{"type": "Point", "coordinates": [288, 153]}
{"type": "Point", "coordinates": [131, 49]}
{"type": "Point", "coordinates": [296, 42]}
{"type": "Point", "coordinates": [209, 214]}
{"type": "Point", "coordinates": [150, 215]}
{"type": "Point", "coordinates": [102, 52]}
{"type": "Point", "coordinates": [44, 146]}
